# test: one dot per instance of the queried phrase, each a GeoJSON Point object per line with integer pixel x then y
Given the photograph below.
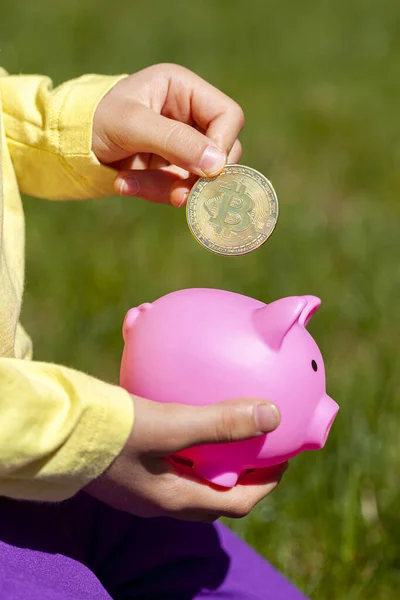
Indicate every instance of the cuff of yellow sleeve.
{"type": "Point", "coordinates": [103, 429]}
{"type": "Point", "coordinates": [81, 426]}
{"type": "Point", "coordinates": [71, 123]}
{"type": "Point", "coordinates": [101, 435]}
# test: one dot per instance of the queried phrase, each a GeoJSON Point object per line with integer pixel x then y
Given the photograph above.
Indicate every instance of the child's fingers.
{"type": "Point", "coordinates": [220, 117]}
{"type": "Point", "coordinates": [161, 186]}
{"type": "Point", "coordinates": [224, 129]}
{"type": "Point", "coordinates": [236, 153]}
{"type": "Point", "coordinates": [143, 161]}
{"type": "Point", "coordinates": [153, 178]}
{"type": "Point", "coordinates": [201, 502]}
{"type": "Point", "coordinates": [151, 185]}
{"type": "Point", "coordinates": [180, 190]}
{"type": "Point", "coordinates": [169, 111]}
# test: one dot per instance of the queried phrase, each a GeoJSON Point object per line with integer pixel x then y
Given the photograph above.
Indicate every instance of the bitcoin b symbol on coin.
{"type": "Point", "coordinates": [232, 215]}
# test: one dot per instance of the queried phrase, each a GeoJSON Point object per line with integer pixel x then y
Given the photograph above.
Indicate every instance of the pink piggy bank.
{"type": "Point", "coordinates": [200, 346]}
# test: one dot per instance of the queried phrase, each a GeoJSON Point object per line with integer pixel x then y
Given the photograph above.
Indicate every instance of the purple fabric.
{"type": "Point", "coordinates": [81, 549]}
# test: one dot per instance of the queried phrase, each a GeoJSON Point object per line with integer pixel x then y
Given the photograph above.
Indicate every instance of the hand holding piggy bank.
{"type": "Point", "coordinates": [201, 346]}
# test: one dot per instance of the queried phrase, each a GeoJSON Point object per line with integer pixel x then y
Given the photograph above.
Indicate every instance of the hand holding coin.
{"type": "Point", "coordinates": [233, 213]}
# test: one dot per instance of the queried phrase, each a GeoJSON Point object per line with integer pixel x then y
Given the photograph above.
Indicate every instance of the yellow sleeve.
{"type": "Point", "coordinates": [49, 135]}
{"type": "Point", "coordinates": [60, 429]}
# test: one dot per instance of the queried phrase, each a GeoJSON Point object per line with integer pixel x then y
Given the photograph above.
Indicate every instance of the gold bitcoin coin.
{"type": "Point", "coordinates": [233, 213]}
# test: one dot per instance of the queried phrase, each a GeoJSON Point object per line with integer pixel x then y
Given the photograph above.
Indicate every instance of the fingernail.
{"type": "Point", "coordinates": [184, 199]}
{"type": "Point", "coordinates": [212, 161]}
{"type": "Point", "coordinates": [128, 186]}
{"type": "Point", "coordinates": [267, 417]}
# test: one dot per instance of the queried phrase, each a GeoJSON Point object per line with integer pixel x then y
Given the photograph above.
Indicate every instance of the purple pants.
{"type": "Point", "coordinates": [81, 549]}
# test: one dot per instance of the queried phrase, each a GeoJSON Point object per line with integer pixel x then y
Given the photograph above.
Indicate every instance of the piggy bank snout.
{"type": "Point", "coordinates": [321, 423]}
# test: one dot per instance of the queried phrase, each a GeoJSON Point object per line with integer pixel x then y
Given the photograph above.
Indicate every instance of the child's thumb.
{"type": "Point", "coordinates": [174, 427]}
{"type": "Point", "coordinates": [178, 143]}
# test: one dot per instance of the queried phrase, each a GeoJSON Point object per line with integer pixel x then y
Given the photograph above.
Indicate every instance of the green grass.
{"type": "Point", "coordinates": [319, 83]}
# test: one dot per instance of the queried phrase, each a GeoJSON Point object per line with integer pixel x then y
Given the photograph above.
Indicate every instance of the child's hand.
{"type": "Point", "coordinates": [142, 482]}
{"type": "Point", "coordinates": [162, 127]}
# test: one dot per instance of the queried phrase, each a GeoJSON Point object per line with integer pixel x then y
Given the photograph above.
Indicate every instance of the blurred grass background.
{"type": "Point", "coordinates": [319, 84]}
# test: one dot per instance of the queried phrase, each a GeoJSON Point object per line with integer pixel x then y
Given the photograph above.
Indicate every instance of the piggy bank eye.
{"type": "Point", "coordinates": [314, 365]}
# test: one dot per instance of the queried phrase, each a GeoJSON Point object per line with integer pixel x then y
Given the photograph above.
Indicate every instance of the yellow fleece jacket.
{"type": "Point", "coordinates": [59, 428]}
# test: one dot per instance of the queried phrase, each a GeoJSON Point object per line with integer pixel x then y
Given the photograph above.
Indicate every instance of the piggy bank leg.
{"type": "Point", "coordinates": [217, 474]}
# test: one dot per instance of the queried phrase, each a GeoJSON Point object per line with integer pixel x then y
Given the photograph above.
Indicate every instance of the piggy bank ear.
{"type": "Point", "coordinates": [313, 304]}
{"type": "Point", "coordinates": [131, 317]}
{"type": "Point", "coordinates": [273, 321]}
